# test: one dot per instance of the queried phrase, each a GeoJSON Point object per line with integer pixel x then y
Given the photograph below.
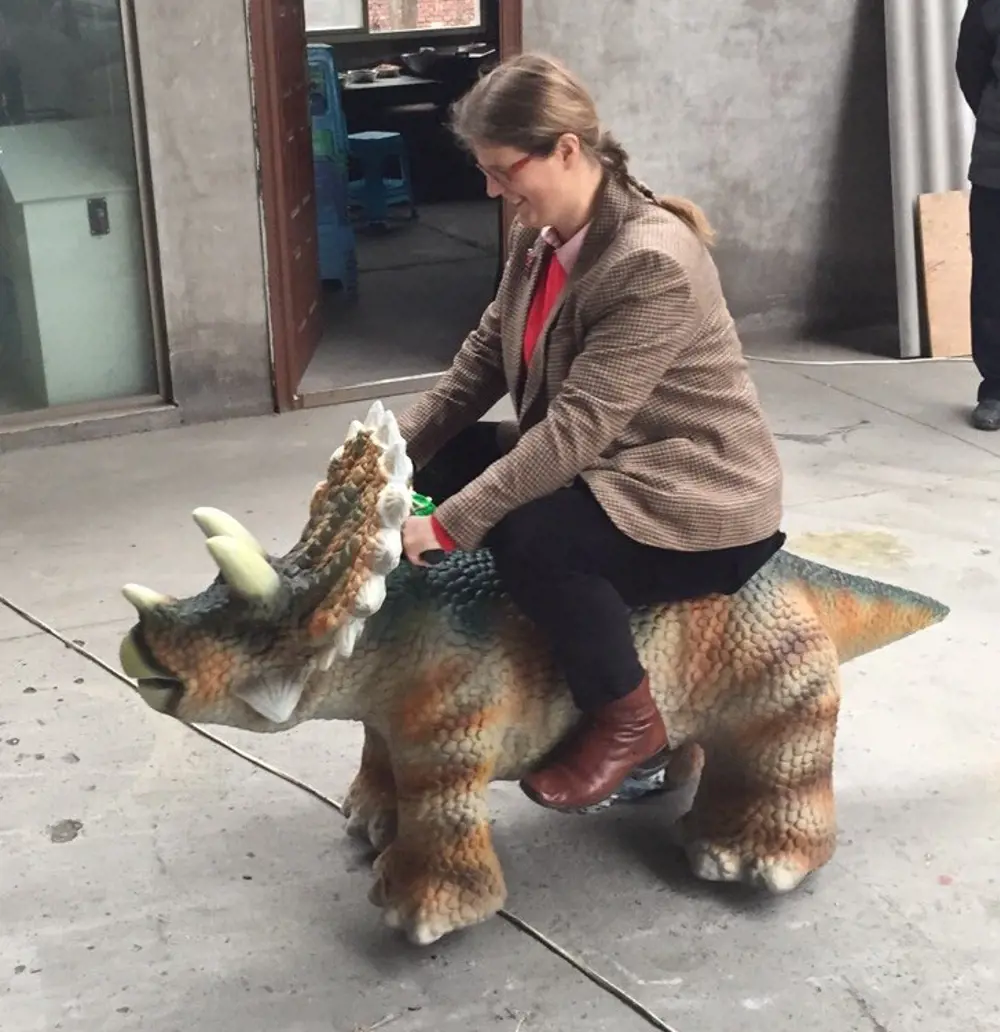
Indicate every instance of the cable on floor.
{"type": "Point", "coordinates": [653, 1020]}
{"type": "Point", "coordinates": [856, 361]}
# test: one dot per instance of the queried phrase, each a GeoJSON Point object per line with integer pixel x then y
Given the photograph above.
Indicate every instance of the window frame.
{"type": "Point", "coordinates": [365, 33]}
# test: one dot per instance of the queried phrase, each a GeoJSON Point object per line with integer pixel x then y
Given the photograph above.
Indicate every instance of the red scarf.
{"type": "Point", "coordinates": [550, 286]}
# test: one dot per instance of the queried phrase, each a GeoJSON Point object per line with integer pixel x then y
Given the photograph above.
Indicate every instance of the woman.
{"type": "Point", "coordinates": [641, 468]}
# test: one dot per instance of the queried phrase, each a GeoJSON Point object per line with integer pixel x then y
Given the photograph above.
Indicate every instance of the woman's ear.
{"type": "Point", "coordinates": [568, 148]}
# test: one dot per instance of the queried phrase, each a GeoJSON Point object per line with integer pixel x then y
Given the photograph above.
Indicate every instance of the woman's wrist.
{"type": "Point", "coordinates": [445, 540]}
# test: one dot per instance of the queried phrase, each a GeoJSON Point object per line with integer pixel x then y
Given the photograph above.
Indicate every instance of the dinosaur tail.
{"type": "Point", "coordinates": [861, 614]}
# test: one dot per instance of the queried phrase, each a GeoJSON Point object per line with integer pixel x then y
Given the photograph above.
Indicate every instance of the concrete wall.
{"type": "Point", "coordinates": [195, 76]}
{"type": "Point", "coordinates": [773, 117]}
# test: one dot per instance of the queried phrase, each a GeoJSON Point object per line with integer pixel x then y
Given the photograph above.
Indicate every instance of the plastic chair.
{"type": "Point", "coordinates": [338, 256]}
{"type": "Point", "coordinates": [328, 122]}
{"type": "Point", "coordinates": [375, 151]}
{"type": "Point", "coordinates": [337, 245]}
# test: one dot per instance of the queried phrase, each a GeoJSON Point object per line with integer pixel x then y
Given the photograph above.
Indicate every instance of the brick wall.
{"type": "Point", "coordinates": [446, 13]}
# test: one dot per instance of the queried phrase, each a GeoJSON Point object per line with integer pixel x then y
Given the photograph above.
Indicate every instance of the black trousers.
{"type": "Point", "coordinates": [984, 233]}
{"type": "Point", "coordinates": [575, 574]}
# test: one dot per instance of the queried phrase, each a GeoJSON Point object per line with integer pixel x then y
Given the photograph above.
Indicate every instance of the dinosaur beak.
{"type": "Point", "coordinates": [134, 663]}
{"type": "Point", "coordinates": [158, 689]}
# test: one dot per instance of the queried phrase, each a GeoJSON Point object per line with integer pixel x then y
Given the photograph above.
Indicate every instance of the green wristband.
{"type": "Point", "coordinates": [422, 505]}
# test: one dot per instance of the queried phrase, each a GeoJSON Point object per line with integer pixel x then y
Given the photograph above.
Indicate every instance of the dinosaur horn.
{"type": "Point", "coordinates": [246, 572]}
{"type": "Point", "coordinates": [144, 599]}
{"type": "Point", "coordinates": [216, 523]}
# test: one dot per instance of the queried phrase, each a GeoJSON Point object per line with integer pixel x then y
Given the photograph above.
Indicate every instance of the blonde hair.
{"type": "Point", "coordinates": [528, 102]}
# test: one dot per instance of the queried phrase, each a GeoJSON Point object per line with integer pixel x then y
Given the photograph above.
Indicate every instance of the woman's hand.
{"type": "Point", "coordinates": [419, 537]}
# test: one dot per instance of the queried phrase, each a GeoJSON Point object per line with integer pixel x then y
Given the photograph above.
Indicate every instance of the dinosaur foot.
{"type": "Point", "coordinates": [427, 899]}
{"type": "Point", "coordinates": [377, 829]}
{"type": "Point", "coordinates": [776, 874]}
{"type": "Point", "coordinates": [370, 818]}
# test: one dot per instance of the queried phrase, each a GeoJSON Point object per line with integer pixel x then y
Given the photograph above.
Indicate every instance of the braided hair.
{"type": "Point", "coordinates": [613, 156]}
{"type": "Point", "coordinates": [528, 102]}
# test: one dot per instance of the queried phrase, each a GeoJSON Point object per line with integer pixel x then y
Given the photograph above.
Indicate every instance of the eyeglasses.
{"type": "Point", "coordinates": [505, 176]}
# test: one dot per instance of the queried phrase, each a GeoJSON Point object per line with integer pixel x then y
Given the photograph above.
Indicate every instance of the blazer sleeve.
{"type": "Point", "coordinates": [644, 316]}
{"type": "Point", "coordinates": [976, 51]}
{"type": "Point", "coordinates": [469, 389]}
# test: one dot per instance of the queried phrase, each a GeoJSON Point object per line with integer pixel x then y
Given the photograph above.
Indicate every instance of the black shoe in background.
{"type": "Point", "coordinates": [986, 415]}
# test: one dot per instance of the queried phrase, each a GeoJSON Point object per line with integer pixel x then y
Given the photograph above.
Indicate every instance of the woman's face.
{"type": "Point", "coordinates": [538, 188]}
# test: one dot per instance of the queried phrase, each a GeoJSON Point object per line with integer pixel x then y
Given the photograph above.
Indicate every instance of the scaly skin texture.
{"type": "Point", "coordinates": [456, 689]}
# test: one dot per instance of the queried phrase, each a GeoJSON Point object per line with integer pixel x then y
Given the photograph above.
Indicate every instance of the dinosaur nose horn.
{"type": "Point", "coordinates": [144, 599]}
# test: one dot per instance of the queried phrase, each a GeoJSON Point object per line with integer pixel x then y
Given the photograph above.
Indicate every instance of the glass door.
{"type": "Point", "coordinates": [76, 319]}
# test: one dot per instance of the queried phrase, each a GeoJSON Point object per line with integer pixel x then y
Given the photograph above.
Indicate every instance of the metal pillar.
{"type": "Point", "coordinates": [930, 132]}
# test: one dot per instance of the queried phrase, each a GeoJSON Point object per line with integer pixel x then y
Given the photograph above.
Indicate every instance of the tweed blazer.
{"type": "Point", "coordinates": [637, 384]}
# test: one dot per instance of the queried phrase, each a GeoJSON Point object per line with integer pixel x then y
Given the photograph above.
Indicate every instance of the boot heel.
{"type": "Point", "coordinates": [652, 766]}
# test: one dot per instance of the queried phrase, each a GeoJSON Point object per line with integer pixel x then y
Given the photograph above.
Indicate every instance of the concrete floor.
{"type": "Point", "coordinates": [151, 880]}
{"type": "Point", "coordinates": [423, 285]}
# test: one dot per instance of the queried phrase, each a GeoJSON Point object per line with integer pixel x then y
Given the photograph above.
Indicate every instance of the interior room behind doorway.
{"type": "Point", "coordinates": [423, 239]}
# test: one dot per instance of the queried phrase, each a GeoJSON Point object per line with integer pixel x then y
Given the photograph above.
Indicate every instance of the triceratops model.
{"type": "Point", "coordinates": [456, 689]}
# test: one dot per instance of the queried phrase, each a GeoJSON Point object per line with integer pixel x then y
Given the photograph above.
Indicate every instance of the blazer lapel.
{"type": "Point", "coordinates": [610, 209]}
{"type": "Point", "coordinates": [612, 206]}
{"type": "Point", "coordinates": [535, 373]}
{"type": "Point", "coordinates": [513, 335]}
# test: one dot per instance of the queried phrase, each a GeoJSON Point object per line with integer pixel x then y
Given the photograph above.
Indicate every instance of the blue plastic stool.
{"type": "Point", "coordinates": [377, 192]}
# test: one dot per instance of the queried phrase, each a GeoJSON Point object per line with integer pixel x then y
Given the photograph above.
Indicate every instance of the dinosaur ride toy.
{"type": "Point", "coordinates": [456, 689]}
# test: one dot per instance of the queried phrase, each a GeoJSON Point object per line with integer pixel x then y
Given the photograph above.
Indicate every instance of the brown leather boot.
{"type": "Point", "coordinates": [616, 739]}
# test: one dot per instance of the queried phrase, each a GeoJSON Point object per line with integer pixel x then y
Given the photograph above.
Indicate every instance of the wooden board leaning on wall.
{"type": "Point", "coordinates": [946, 271]}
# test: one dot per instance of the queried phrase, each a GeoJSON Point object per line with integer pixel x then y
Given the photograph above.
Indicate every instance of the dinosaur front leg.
{"type": "Point", "coordinates": [764, 813]}
{"type": "Point", "coordinates": [441, 873]}
{"type": "Point", "coordinates": [370, 806]}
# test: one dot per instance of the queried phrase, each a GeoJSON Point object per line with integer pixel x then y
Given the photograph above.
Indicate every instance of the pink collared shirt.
{"type": "Point", "coordinates": [567, 253]}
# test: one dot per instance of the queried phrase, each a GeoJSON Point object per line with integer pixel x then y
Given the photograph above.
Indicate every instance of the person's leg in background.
{"type": "Point", "coordinates": [984, 235]}
{"type": "Point", "coordinates": [575, 575]}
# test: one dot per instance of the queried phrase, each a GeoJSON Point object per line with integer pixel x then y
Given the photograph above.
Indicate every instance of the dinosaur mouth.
{"type": "Point", "coordinates": [160, 690]}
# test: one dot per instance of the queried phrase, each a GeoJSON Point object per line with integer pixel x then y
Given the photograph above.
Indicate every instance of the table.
{"type": "Point", "coordinates": [397, 81]}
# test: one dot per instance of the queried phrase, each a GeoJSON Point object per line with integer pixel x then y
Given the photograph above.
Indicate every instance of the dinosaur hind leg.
{"type": "Point", "coordinates": [370, 806]}
{"type": "Point", "coordinates": [764, 813]}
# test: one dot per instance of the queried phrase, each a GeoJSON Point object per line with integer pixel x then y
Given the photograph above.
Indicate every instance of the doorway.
{"type": "Point", "coordinates": [371, 293]}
